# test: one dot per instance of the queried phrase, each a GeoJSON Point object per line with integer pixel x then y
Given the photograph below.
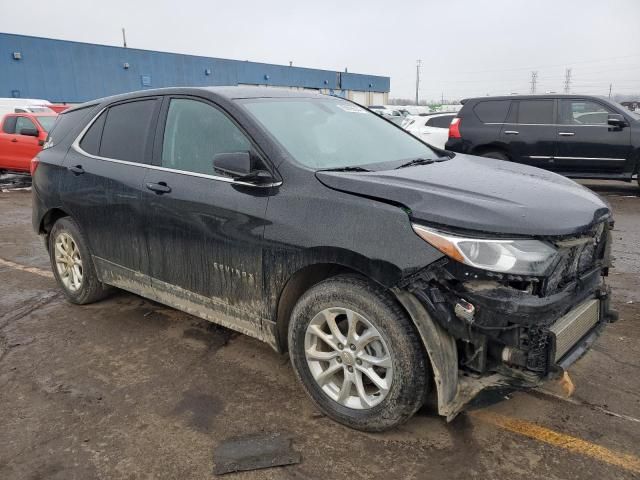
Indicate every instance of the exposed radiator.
{"type": "Point", "coordinates": [569, 329]}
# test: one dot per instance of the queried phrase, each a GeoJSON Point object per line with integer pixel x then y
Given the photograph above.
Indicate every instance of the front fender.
{"type": "Point", "coordinates": [454, 390]}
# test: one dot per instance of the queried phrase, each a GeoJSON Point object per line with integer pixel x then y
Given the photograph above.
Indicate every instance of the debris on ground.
{"type": "Point", "coordinates": [253, 452]}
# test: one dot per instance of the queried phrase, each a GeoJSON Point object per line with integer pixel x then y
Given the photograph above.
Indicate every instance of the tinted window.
{"type": "Point", "coordinates": [9, 125]}
{"type": "Point", "coordinates": [67, 121]}
{"type": "Point", "coordinates": [583, 112]}
{"type": "Point", "coordinates": [331, 133]}
{"type": "Point", "coordinates": [126, 133]}
{"type": "Point", "coordinates": [195, 132]}
{"type": "Point", "coordinates": [24, 123]}
{"type": "Point", "coordinates": [440, 122]}
{"type": "Point", "coordinates": [535, 111]}
{"type": "Point", "coordinates": [46, 122]}
{"type": "Point", "coordinates": [90, 143]}
{"type": "Point", "coordinates": [492, 111]}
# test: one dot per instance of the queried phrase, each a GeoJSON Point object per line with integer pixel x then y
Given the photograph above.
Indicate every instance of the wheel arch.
{"type": "Point", "coordinates": [492, 147]}
{"type": "Point", "coordinates": [48, 220]}
{"type": "Point", "coordinates": [301, 281]}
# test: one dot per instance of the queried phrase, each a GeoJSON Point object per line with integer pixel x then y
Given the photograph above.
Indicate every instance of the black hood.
{"type": "Point", "coordinates": [481, 194]}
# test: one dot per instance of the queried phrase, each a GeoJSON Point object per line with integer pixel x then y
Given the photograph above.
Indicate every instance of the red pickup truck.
{"type": "Point", "coordinates": [21, 138]}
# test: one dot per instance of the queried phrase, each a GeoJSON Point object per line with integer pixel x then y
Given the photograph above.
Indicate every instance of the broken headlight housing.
{"type": "Point", "coordinates": [515, 257]}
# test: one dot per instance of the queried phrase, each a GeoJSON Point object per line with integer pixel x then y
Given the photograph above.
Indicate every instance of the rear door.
{"type": "Point", "coordinates": [205, 230]}
{"type": "Point", "coordinates": [530, 132]}
{"type": "Point", "coordinates": [101, 188]}
{"type": "Point", "coordinates": [17, 150]}
{"type": "Point", "coordinates": [586, 142]}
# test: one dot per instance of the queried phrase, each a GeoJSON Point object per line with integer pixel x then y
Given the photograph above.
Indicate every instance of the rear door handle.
{"type": "Point", "coordinates": [76, 170]}
{"type": "Point", "coordinates": [14, 140]}
{"type": "Point", "coordinates": [511, 132]}
{"type": "Point", "coordinates": [159, 188]}
{"type": "Point", "coordinates": [566, 134]}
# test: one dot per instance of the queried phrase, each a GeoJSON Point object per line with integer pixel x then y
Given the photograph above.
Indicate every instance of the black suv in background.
{"type": "Point", "coordinates": [574, 135]}
{"type": "Point", "coordinates": [382, 266]}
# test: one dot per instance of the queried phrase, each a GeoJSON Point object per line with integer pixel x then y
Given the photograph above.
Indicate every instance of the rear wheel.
{"type": "Point", "coordinates": [72, 264]}
{"type": "Point", "coordinates": [357, 354]}
{"type": "Point", "coordinates": [495, 154]}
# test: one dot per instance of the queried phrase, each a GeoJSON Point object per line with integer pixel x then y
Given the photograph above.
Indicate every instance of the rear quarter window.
{"type": "Point", "coordinates": [68, 121]}
{"type": "Point", "coordinates": [440, 122]}
{"type": "Point", "coordinates": [492, 111]}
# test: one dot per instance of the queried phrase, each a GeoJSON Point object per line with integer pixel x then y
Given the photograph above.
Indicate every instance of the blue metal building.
{"type": "Point", "coordinates": [72, 72]}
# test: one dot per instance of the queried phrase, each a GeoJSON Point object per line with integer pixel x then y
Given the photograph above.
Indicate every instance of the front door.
{"type": "Point", "coordinates": [101, 187]}
{"type": "Point", "coordinates": [586, 142]}
{"type": "Point", "coordinates": [530, 132]}
{"type": "Point", "coordinates": [17, 150]}
{"type": "Point", "coordinates": [205, 230]}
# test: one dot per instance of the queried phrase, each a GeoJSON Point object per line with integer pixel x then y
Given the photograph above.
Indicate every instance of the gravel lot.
{"type": "Point", "coordinates": [128, 388]}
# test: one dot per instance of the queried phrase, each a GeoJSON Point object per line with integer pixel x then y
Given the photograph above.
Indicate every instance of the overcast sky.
{"type": "Point", "coordinates": [467, 47]}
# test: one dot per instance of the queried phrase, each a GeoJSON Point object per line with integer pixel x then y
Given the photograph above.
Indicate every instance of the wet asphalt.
{"type": "Point", "coordinates": [127, 388]}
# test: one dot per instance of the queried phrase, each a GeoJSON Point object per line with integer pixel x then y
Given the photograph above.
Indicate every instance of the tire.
{"type": "Point", "coordinates": [82, 287]}
{"type": "Point", "coordinates": [495, 154]}
{"type": "Point", "coordinates": [403, 370]}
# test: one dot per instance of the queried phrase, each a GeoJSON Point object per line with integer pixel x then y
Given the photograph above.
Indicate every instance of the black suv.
{"type": "Point", "coordinates": [575, 135]}
{"type": "Point", "coordinates": [385, 268]}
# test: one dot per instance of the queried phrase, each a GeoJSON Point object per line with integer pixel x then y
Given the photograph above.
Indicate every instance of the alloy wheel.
{"type": "Point", "coordinates": [68, 262]}
{"type": "Point", "coordinates": [348, 358]}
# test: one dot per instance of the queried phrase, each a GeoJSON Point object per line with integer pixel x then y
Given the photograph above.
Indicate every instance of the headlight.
{"type": "Point", "coordinates": [517, 257]}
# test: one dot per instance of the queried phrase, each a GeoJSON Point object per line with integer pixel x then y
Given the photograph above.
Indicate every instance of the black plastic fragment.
{"type": "Point", "coordinates": [254, 451]}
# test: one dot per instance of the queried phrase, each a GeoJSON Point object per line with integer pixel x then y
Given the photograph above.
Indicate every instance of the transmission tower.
{"type": "Point", "coordinates": [418, 64]}
{"type": "Point", "coordinates": [567, 81]}
{"type": "Point", "coordinates": [534, 79]}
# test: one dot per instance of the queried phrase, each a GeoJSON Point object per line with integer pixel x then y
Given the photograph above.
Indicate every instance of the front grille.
{"type": "Point", "coordinates": [577, 255]}
{"type": "Point", "coordinates": [569, 329]}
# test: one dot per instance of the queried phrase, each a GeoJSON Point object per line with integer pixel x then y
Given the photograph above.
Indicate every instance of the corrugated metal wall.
{"type": "Point", "coordinates": [62, 71]}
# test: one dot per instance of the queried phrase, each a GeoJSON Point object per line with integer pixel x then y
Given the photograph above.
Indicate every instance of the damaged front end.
{"type": "Point", "coordinates": [485, 328]}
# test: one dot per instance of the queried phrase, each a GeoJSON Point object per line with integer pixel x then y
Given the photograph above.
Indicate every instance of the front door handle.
{"type": "Point", "coordinates": [76, 170]}
{"type": "Point", "coordinates": [566, 134]}
{"type": "Point", "coordinates": [511, 132]}
{"type": "Point", "coordinates": [159, 188]}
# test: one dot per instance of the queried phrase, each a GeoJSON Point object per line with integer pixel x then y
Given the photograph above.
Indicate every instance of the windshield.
{"type": "Point", "coordinates": [331, 133]}
{"type": "Point", "coordinates": [46, 121]}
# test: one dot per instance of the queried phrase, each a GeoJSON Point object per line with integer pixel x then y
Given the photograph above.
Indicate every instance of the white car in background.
{"type": "Point", "coordinates": [389, 113]}
{"type": "Point", "coordinates": [432, 128]}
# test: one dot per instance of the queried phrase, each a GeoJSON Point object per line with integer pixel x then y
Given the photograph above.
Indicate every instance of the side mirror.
{"type": "Point", "coordinates": [29, 132]}
{"type": "Point", "coordinates": [236, 164]}
{"type": "Point", "coordinates": [616, 120]}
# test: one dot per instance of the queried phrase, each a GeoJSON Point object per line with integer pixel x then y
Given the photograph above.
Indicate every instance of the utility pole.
{"type": "Point", "coordinates": [610, 85]}
{"type": "Point", "coordinates": [442, 99]}
{"type": "Point", "coordinates": [418, 63]}
{"type": "Point", "coordinates": [534, 79]}
{"type": "Point", "coordinates": [567, 81]}
{"type": "Point", "coordinates": [124, 38]}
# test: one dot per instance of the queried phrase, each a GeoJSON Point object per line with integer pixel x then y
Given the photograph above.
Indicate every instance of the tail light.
{"type": "Point", "coordinates": [35, 161]}
{"type": "Point", "coordinates": [454, 128]}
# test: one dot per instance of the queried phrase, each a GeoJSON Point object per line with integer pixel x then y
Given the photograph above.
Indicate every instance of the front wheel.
{"type": "Point", "coordinates": [357, 354]}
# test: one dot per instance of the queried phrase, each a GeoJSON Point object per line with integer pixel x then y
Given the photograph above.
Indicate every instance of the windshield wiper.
{"type": "Point", "coordinates": [420, 161]}
{"type": "Point", "coordinates": [345, 169]}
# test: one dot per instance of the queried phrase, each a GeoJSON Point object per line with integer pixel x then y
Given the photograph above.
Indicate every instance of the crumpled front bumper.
{"type": "Point", "coordinates": [512, 330]}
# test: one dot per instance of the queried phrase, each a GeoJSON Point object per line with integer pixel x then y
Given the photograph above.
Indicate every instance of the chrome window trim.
{"type": "Point", "coordinates": [549, 124]}
{"type": "Point", "coordinates": [76, 146]}
{"type": "Point", "coordinates": [542, 157]}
